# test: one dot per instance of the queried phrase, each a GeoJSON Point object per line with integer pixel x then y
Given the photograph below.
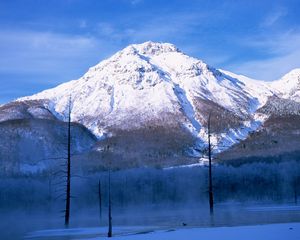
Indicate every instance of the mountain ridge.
{"type": "Point", "coordinates": [156, 86]}
{"type": "Point", "coordinates": [143, 66]}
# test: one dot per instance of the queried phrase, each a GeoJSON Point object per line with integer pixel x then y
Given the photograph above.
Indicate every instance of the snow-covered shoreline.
{"type": "Point", "coordinates": [281, 231]}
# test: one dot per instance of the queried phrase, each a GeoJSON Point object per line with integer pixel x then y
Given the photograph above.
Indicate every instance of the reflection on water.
{"type": "Point", "coordinates": [18, 225]}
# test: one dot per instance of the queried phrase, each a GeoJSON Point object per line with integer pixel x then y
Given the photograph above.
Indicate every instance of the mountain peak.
{"type": "Point", "coordinates": [290, 79]}
{"type": "Point", "coordinates": [152, 48]}
{"type": "Point", "coordinates": [289, 85]}
{"type": "Point", "coordinates": [134, 56]}
{"type": "Point", "coordinates": [293, 74]}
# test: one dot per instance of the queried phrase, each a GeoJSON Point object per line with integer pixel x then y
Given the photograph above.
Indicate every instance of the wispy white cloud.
{"type": "Point", "coordinates": [108, 30]}
{"type": "Point", "coordinates": [131, 2]}
{"type": "Point", "coordinates": [32, 52]}
{"type": "Point", "coordinates": [168, 27]}
{"type": "Point", "coordinates": [41, 52]}
{"type": "Point", "coordinates": [50, 52]}
{"type": "Point", "coordinates": [175, 28]}
{"type": "Point", "coordinates": [274, 17]}
{"type": "Point", "coordinates": [134, 2]}
{"type": "Point", "coordinates": [33, 60]}
{"type": "Point", "coordinates": [283, 51]}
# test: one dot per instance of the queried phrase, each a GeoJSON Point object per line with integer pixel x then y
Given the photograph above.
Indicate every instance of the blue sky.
{"type": "Point", "coordinates": [44, 43]}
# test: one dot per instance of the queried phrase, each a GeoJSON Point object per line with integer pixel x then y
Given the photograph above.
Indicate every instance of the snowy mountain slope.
{"type": "Point", "coordinates": [143, 83]}
{"type": "Point", "coordinates": [124, 86]}
{"type": "Point", "coordinates": [259, 89]}
{"type": "Point", "coordinates": [289, 85]}
{"type": "Point", "coordinates": [151, 89]}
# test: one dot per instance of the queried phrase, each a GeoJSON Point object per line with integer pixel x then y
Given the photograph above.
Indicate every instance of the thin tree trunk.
{"type": "Point", "coordinates": [68, 190]}
{"type": "Point", "coordinates": [109, 234]}
{"type": "Point", "coordinates": [210, 185]}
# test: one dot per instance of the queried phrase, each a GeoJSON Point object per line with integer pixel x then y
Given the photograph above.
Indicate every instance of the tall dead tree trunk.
{"type": "Point", "coordinates": [68, 186]}
{"type": "Point", "coordinates": [210, 184]}
{"type": "Point", "coordinates": [109, 234]}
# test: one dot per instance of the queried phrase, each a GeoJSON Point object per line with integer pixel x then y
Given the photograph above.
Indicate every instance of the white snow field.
{"type": "Point", "coordinates": [283, 231]}
{"type": "Point", "coordinates": [290, 231]}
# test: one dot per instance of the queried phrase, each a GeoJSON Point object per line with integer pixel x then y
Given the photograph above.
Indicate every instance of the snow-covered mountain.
{"type": "Point", "coordinates": [156, 85]}
{"type": "Point", "coordinates": [289, 85]}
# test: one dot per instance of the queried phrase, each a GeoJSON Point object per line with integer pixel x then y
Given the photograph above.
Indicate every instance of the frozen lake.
{"type": "Point", "coordinates": [86, 224]}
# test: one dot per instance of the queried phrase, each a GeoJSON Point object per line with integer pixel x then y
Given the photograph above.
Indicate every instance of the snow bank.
{"type": "Point", "coordinates": [284, 231]}
{"type": "Point", "coordinates": [289, 231]}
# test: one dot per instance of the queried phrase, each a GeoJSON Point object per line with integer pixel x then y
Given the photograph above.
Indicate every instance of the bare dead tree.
{"type": "Point", "coordinates": [210, 183]}
{"type": "Point", "coordinates": [209, 152]}
{"type": "Point", "coordinates": [106, 155]}
{"type": "Point", "coordinates": [64, 174]}
{"type": "Point", "coordinates": [68, 185]}
{"type": "Point", "coordinates": [109, 234]}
